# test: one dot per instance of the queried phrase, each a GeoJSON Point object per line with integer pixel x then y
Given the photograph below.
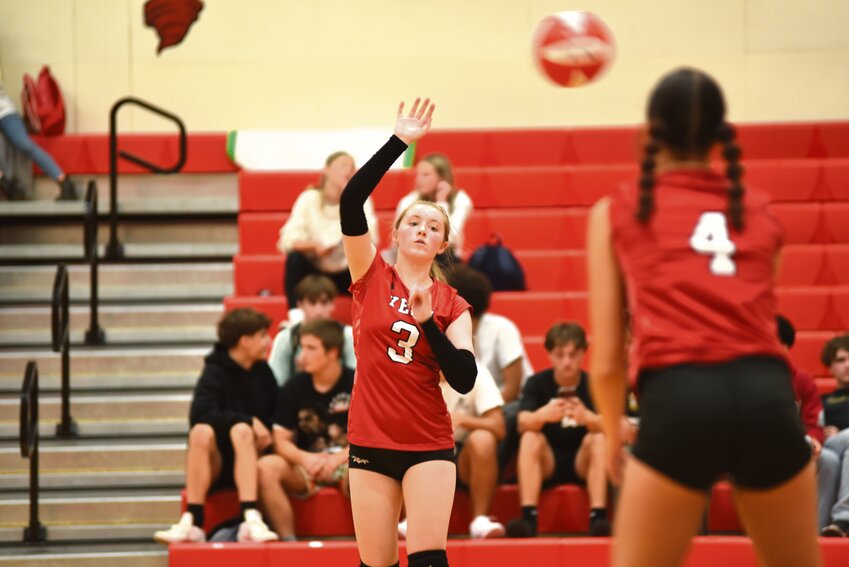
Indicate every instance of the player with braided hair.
{"type": "Point", "coordinates": [692, 256]}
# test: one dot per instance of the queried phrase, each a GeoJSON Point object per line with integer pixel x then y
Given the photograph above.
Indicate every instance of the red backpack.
{"type": "Point", "coordinates": [44, 107]}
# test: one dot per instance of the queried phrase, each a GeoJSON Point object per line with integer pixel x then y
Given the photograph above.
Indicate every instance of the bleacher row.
{"type": "Point", "coordinates": [534, 189]}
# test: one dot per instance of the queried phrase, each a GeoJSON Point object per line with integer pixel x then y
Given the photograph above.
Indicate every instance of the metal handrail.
{"type": "Point", "coordinates": [114, 249]}
{"type": "Point", "coordinates": [35, 532]}
{"type": "Point", "coordinates": [95, 334]}
{"type": "Point", "coordinates": [61, 335]}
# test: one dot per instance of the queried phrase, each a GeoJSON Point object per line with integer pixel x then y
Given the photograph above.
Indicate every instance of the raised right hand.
{"type": "Point", "coordinates": [416, 124]}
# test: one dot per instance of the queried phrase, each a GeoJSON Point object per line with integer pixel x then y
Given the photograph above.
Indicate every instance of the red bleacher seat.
{"type": "Point", "coordinates": [554, 270]}
{"type": "Point", "coordinates": [835, 179]}
{"type": "Point", "coordinates": [802, 222]}
{"type": "Point", "coordinates": [785, 180]}
{"type": "Point", "coordinates": [89, 153]}
{"type": "Point", "coordinates": [803, 265]}
{"type": "Point", "coordinates": [535, 312]}
{"type": "Point", "coordinates": [834, 138]}
{"type": "Point", "coordinates": [806, 352]}
{"type": "Point", "coordinates": [722, 513]}
{"type": "Point", "coordinates": [837, 260]}
{"type": "Point", "coordinates": [259, 232]}
{"type": "Point", "coordinates": [255, 274]}
{"type": "Point", "coordinates": [807, 307]}
{"type": "Point", "coordinates": [835, 217]}
{"type": "Point", "coordinates": [278, 311]}
{"type": "Point", "coordinates": [783, 141]}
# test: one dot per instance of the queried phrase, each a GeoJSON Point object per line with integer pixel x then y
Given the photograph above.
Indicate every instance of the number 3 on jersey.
{"type": "Point", "coordinates": [711, 237]}
{"type": "Point", "coordinates": [406, 344]}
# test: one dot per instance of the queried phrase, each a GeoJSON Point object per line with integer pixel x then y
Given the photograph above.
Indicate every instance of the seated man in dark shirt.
{"type": "Point", "coordinates": [561, 440]}
{"type": "Point", "coordinates": [835, 355]}
{"type": "Point", "coordinates": [230, 417]}
{"type": "Point", "coordinates": [310, 428]}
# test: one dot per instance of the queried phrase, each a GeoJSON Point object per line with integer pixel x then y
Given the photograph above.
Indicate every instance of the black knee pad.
{"type": "Point", "coordinates": [428, 558]}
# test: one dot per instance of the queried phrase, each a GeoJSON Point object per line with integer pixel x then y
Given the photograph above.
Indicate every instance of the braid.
{"type": "Point", "coordinates": [645, 205]}
{"type": "Point", "coordinates": [734, 171]}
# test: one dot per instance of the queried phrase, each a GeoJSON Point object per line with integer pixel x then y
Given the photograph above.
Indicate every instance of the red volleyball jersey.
{"type": "Point", "coordinates": [697, 290]}
{"type": "Point", "coordinates": [397, 402]}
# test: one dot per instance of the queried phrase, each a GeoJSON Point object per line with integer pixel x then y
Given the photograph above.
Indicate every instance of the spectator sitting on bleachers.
{"type": "Point", "coordinates": [810, 410]}
{"type": "Point", "coordinates": [230, 417]}
{"type": "Point", "coordinates": [835, 355]}
{"type": "Point", "coordinates": [310, 428]}
{"type": "Point", "coordinates": [312, 237]}
{"type": "Point", "coordinates": [561, 440]}
{"type": "Point", "coordinates": [315, 297]}
{"type": "Point", "coordinates": [478, 424]}
{"type": "Point", "coordinates": [14, 131]}
{"type": "Point", "coordinates": [435, 183]}
{"type": "Point", "coordinates": [498, 347]}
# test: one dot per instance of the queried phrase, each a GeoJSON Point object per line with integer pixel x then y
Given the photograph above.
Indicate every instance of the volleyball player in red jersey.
{"type": "Point", "coordinates": [693, 259]}
{"type": "Point", "coordinates": [408, 326]}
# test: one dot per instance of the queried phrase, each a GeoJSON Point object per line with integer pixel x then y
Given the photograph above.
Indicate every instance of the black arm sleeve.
{"type": "Point", "coordinates": [458, 365]}
{"type": "Point", "coordinates": [351, 214]}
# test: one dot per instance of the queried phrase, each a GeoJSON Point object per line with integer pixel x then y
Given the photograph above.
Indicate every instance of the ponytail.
{"type": "Point", "coordinates": [645, 205]}
{"type": "Point", "coordinates": [734, 171]}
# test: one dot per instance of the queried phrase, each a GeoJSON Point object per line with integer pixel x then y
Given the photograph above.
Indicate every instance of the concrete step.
{"type": "Point", "coordinates": [52, 481]}
{"type": "Point", "coordinates": [151, 506]}
{"type": "Point", "coordinates": [105, 408]}
{"type": "Point", "coordinates": [75, 555]}
{"type": "Point", "coordinates": [107, 362]}
{"type": "Point", "coordinates": [85, 456]}
{"type": "Point", "coordinates": [132, 251]}
{"type": "Point", "coordinates": [178, 231]}
{"type": "Point", "coordinates": [125, 382]}
{"type": "Point", "coordinates": [150, 187]}
{"type": "Point", "coordinates": [91, 428]}
{"type": "Point", "coordinates": [134, 282]}
{"type": "Point", "coordinates": [123, 324]}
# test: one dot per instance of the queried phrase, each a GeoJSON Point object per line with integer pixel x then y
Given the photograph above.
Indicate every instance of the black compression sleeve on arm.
{"type": "Point", "coordinates": [458, 365]}
{"type": "Point", "coordinates": [351, 214]}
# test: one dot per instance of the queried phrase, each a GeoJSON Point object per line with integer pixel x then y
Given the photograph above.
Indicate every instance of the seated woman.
{"type": "Point", "coordinates": [435, 183]}
{"type": "Point", "coordinates": [312, 238]}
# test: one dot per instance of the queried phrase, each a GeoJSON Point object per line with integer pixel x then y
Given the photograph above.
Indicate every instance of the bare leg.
{"type": "Point", "coordinates": [276, 478]}
{"type": "Point", "coordinates": [656, 519]}
{"type": "Point", "coordinates": [535, 464]}
{"type": "Point", "coordinates": [428, 496]}
{"type": "Point", "coordinates": [782, 521]}
{"type": "Point", "coordinates": [591, 466]}
{"type": "Point", "coordinates": [375, 504]}
{"type": "Point", "coordinates": [203, 463]}
{"type": "Point", "coordinates": [244, 447]}
{"type": "Point", "coordinates": [478, 468]}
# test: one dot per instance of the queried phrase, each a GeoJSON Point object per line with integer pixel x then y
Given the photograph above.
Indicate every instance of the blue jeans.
{"type": "Point", "coordinates": [12, 127]}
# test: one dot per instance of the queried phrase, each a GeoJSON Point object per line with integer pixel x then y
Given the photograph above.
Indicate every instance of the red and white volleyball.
{"type": "Point", "coordinates": [573, 48]}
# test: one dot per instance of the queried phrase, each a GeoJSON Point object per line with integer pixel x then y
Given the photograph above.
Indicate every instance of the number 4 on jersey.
{"type": "Point", "coordinates": [711, 237]}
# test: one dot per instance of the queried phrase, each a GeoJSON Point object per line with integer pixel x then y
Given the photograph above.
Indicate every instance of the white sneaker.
{"type": "Point", "coordinates": [402, 529]}
{"type": "Point", "coordinates": [183, 531]}
{"type": "Point", "coordinates": [253, 529]}
{"type": "Point", "coordinates": [484, 527]}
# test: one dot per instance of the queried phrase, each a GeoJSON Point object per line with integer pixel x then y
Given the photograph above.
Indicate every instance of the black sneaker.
{"type": "Point", "coordinates": [600, 527]}
{"type": "Point", "coordinates": [67, 191]}
{"type": "Point", "coordinates": [518, 527]}
{"type": "Point", "coordinates": [834, 530]}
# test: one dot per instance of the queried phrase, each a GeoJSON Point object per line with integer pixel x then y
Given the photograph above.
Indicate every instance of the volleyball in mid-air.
{"type": "Point", "coordinates": [573, 49]}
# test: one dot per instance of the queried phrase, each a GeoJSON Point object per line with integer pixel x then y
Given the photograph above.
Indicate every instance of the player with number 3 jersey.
{"type": "Point", "coordinates": [692, 256]}
{"type": "Point", "coordinates": [408, 327]}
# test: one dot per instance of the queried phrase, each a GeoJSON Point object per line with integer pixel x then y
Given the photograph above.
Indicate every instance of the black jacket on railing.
{"type": "Point", "coordinates": [227, 394]}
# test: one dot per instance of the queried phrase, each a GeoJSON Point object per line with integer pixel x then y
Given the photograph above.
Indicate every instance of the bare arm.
{"type": "Point", "coordinates": [608, 379]}
{"type": "Point", "coordinates": [512, 375]}
{"type": "Point", "coordinates": [492, 421]}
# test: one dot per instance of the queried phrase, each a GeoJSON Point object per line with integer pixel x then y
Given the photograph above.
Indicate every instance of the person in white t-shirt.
{"type": "Point", "coordinates": [435, 182]}
{"type": "Point", "coordinates": [498, 347]}
{"type": "Point", "coordinates": [478, 423]}
{"type": "Point", "coordinates": [312, 237]}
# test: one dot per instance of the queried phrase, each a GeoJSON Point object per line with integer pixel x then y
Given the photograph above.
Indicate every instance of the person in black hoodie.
{"type": "Point", "coordinates": [231, 417]}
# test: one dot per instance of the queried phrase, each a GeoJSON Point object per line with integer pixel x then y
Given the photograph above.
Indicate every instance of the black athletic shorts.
{"type": "Point", "coordinates": [700, 421]}
{"type": "Point", "coordinates": [390, 462]}
{"type": "Point", "coordinates": [564, 469]}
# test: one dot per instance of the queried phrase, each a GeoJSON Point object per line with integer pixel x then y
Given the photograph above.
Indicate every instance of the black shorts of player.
{"type": "Point", "coordinates": [390, 462]}
{"type": "Point", "coordinates": [700, 421]}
